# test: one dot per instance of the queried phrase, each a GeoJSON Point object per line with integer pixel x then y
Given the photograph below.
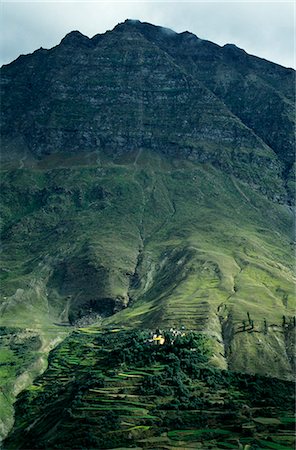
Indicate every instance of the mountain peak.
{"type": "Point", "coordinates": [127, 24]}
{"type": "Point", "coordinates": [144, 27]}
{"type": "Point", "coordinates": [132, 22]}
{"type": "Point", "coordinates": [75, 38]}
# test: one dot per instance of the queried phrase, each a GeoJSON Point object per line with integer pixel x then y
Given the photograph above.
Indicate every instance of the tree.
{"type": "Point", "coordinates": [249, 318]}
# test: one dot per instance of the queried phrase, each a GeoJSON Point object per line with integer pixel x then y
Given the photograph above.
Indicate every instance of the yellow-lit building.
{"type": "Point", "coordinates": [158, 339]}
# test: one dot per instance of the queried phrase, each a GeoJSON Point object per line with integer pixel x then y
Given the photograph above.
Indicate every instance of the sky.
{"type": "Point", "coordinates": [265, 29]}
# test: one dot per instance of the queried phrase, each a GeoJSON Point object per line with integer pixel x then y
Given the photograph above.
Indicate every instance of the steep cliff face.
{"type": "Point", "coordinates": [148, 173]}
{"type": "Point", "coordinates": [258, 92]}
{"type": "Point", "coordinates": [142, 87]}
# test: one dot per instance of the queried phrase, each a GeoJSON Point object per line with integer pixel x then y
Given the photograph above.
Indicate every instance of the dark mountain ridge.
{"type": "Point", "coordinates": [218, 95]}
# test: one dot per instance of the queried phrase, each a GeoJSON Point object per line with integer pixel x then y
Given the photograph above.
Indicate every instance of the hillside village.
{"type": "Point", "coordinates": [159, 337]}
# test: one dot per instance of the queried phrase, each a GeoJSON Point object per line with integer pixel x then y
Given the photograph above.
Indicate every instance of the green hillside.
{"type": "Point", "coordinates": [96, 239]}
{"type": "Point", "coordinates": [121, 238]}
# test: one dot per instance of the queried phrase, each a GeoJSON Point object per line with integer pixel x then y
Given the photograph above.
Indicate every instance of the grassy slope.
{"type": "Point", "coordinates": [190, 233]}
{"type": "Point", "coordinates": [217, 247]}
{"type": "Point", "coordinates": [183, 243]}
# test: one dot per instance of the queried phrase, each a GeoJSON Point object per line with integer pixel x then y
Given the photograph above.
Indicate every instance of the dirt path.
{"type": "Point", "coordinates": [137, 157]}
{"type": "Point", "coordinates": [241, 192]}
{"type": "Point", "coordinates": [22, 164]}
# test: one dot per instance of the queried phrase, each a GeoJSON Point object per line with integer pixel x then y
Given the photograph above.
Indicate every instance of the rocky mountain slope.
{"type": "Point", "coordinates": [146, 179]}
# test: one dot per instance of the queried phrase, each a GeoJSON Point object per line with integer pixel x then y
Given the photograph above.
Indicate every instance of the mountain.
{"type": "Point", "coordinates": [147, 181]}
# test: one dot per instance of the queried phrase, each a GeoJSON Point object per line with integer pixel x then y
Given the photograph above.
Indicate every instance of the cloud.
{"type": "Point", "coordinates": [265, 29]}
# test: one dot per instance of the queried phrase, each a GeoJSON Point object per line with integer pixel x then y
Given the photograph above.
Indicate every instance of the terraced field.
{"type": "Point", "coordinates": [111, 389]}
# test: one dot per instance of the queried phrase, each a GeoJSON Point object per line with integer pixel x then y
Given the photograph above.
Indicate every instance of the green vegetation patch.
{"type": "Point", "coordinates": [288, 419]}
{"type": "Point", "coordinates": [274, 445]}
{"type": "Point", "coordinates": [191, 434]}
{"type": "Point", "coordinates": [184, 400]}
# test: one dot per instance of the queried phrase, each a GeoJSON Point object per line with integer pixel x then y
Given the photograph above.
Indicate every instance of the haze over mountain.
{"type": "Point", "coordinates": [147, 180]}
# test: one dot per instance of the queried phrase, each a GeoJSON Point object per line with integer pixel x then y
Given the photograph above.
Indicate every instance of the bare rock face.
{"type": "Point", "coordinates": [140, 86]}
